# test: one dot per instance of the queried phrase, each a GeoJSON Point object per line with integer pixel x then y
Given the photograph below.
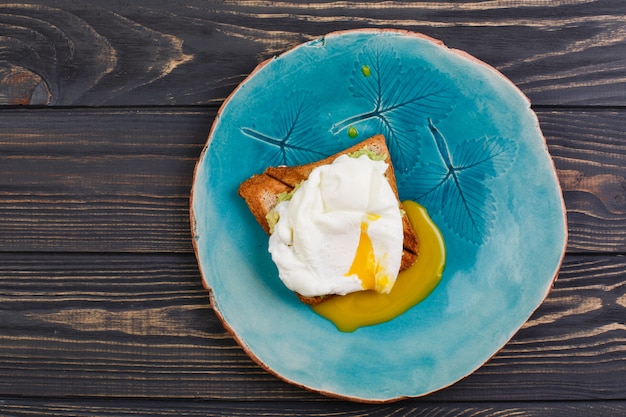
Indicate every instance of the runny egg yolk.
{"type": "Point", "coordinates": [365, 265]}
{"type": "Point", "coordinates": [365, 308]}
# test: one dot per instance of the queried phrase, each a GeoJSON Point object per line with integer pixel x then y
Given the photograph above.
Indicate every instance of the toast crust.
{"type": "Point", "coordinates": [261, 191]}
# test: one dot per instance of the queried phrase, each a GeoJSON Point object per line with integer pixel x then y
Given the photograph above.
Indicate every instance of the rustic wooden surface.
{"type": "Point", "coordinates": [105, 107]}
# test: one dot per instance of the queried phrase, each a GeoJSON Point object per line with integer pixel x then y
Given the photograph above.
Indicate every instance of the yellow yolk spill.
{"type": "Point", "coordinates": [364, 264]}
{"type": "Point", "coordinates": [366, 308]}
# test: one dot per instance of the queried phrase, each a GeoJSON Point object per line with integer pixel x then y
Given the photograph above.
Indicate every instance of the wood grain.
{"type": "Point", "coordinates": [151, 53]}
{"type": "Point", "coordinates": [139, 326]}
{"type": "Point", "coordinates": [111, 180]}
{"type": "Point", "coordinates": [589, 150]}
{"type": "Point", "coordinates": [104, 109]}
{"type": "Point", "coordinates": [138, 408]}
{"type": "Point", "coordinates": [118, 180]}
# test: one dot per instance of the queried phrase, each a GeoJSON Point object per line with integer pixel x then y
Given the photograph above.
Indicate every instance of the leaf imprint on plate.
{"type": "Point", "coordinates": [401, 99]}
{"type": "Point", "coordinates": [458, 187]}
{"type": "Point", "coordinates": [293, 135]}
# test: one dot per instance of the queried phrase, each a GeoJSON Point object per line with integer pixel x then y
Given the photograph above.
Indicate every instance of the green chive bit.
{"type": "Point", "coordinates": [352, 132]}
{"type": "Point", "coordinates": [365, 69]}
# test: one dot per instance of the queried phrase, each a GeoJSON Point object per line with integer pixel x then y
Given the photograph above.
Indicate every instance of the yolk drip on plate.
{"type": "Point", "coordinates": [365, 308]}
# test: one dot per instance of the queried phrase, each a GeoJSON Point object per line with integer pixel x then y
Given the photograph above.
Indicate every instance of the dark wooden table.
{"type": "Point", "coordinates": [105, 108]}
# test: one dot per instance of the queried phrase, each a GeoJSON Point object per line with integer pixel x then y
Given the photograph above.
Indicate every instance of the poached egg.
{"type": "Point", "coordinates": [341, 230]}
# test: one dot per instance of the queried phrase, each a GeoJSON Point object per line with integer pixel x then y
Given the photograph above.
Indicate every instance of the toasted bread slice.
{"type": "Point", "coordinates": [261, 191]}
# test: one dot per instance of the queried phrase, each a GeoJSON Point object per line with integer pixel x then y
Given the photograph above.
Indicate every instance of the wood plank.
{"type": "Point", "coordinates": [118, 180]}
{"type": "Point", "coordinates": [589, 151]}
{"type": "Point", "coordinates": [195, 52]}
{"type": "Point", "coordinates": [135, 408]}
{"type": "Point", "coordinates": [110, 180]}
{"type": "Point", "coordinates": [139, 326]}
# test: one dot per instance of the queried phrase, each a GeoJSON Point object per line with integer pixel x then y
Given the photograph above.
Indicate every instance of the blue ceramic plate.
{"type": "Point", "coordinates": [464, 143]}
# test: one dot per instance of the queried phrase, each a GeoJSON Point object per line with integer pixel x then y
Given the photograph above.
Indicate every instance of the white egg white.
{"type": "Point", "coordinates": [315, 239]}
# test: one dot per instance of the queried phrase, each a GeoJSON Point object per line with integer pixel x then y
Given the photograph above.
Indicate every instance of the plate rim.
{"type": "Point", "coordinates": [194, 232]}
